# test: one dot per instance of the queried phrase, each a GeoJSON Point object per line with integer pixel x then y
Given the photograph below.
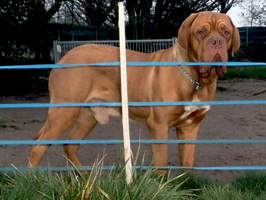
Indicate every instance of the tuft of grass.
{"type": "Point", "coordinates": [250, 186]}
{"type": "Point", "coordinates": [10, 126]}
{"type": "Point", "coordinates": [221, 89]}
{"type": "Point", "coordinates": [251, 181]}
{"type": "Point", "coordinates": [246, 72]}
{"type": "Point", "coordinates": [196, 181]}
{"type": "Point", "coordinates": [3, 125]}
{"type": "Point", "coordinates": [14, 127]}
{"type": "Point", "coordinates": [222, 193]}
{"type": "Point", "coordinates": [35, 120]}
{"type": "Point", "coordinates": [101, 184]}
{"type": "Point", "coordinates": [95, 185]}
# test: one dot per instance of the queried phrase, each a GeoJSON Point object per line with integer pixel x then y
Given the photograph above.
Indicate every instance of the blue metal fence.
{"type": "Point", "coordinates": [38, 105]}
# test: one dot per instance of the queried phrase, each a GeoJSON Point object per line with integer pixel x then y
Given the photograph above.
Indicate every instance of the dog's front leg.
{"type": "Point", "coordinates": [187, 151]}
{"type": "Point", "coordinates": [159, 151]}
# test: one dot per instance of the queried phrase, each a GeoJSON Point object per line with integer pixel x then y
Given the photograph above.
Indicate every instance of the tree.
{"type": "Point", "coordinates": [98, 11]}
{"type": "Point", "coordinates": [25, 39]}
{"type": "Point", "coordinates": [254, 12]}
{"type": "Point", "coordinates": [225, 5]}
{"type": "Point", "coordinates": [24, 29]}
{"type": "Point", "coordinates": [148, 18]}
{"type": "Point", "coordinates": [162, 18]}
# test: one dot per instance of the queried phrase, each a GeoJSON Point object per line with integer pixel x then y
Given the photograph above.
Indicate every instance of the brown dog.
{"type": "Point", "coordinates": [203, 37]}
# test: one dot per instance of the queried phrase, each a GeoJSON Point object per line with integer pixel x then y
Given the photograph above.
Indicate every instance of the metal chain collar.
{"type": "Point", "coordinates": [190, 78]}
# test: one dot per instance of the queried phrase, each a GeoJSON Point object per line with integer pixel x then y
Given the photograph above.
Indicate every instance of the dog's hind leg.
{"type": "Point", "coordinates": [84, 124]}
{"type": "Point", "coordinates": [40, 131]}
{"type": "Point", "coordinates": [58, 122]}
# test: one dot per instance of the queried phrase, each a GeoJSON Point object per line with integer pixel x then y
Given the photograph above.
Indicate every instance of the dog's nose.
{"type": "Point", "coordinates": [217, 42]}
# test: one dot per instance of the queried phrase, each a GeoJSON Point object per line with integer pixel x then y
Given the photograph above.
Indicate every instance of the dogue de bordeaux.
{"type": "Point", "coordinates": [202, 37]}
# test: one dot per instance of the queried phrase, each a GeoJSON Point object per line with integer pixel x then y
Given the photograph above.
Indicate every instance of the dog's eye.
{"type": "Point", "coordinates": [201, 34]}
{"type": "Point", "coordinates": [202, 31]}
{"type": "Point", "coordinates": [226, 33]}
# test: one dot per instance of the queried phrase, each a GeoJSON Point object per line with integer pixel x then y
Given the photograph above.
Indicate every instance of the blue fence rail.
{"type": "Point", "coordinates": [48, 66]}
{"type": "Point", "coordinates": [116, 104]}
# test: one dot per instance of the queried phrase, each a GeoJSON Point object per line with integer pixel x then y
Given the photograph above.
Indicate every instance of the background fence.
{"type": "Point", "coordinates": [253, 41]}
{"type": "Point", "coordinates": [146, 46]}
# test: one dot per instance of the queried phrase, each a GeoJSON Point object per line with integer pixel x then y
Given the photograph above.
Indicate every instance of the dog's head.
{"type": "Point", "coordinates": [208, 37]}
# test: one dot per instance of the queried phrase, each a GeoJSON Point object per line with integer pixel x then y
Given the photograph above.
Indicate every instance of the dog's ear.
{"type": "Point", "coordinates": [184, 31]}
{"type": "Point", "coordinates": [235, 39]}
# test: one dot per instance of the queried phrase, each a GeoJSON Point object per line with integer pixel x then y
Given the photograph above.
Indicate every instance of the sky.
{"type": "Point", "coordinates": [234, 13]}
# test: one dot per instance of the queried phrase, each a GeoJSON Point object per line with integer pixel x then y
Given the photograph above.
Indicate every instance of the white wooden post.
{"type": "Point", "coordinates": [123, 70]}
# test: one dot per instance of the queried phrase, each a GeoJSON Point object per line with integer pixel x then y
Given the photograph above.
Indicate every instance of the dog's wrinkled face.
{"type": "Point", "coordinates": [208, 37]}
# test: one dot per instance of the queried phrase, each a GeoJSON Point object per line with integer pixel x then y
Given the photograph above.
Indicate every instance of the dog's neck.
{"type": "Point", "coordinates": [196, 83]}
{"type": "Point", "coordinates": [180, 54]}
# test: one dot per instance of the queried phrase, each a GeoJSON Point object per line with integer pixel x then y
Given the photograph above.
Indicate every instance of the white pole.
{"type": "Point", "coordinates": [123, 70]}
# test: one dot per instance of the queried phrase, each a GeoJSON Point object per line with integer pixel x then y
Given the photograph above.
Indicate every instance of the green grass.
{"type": "Point", "coordinates": [4, 124]}
{"type": "Point", "coordinates": [100, 184]}
{"type": "Point", "coordinates": [248, 186]}
{"type": "Point", "coordinates": [252, 182]}
{"type": "Point", "coordinates": [246, 72]}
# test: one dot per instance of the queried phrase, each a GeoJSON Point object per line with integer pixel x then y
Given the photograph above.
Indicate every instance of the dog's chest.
{"type": "Point", "coordinates": [192, 112]}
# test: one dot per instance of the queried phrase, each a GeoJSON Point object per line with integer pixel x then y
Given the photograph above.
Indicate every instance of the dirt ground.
{"type": "Point", "coordinates": [222, 122]}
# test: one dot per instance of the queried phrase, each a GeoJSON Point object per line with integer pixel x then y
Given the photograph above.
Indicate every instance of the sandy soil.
{"type": "Point", "coordinates": [222, 122]}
